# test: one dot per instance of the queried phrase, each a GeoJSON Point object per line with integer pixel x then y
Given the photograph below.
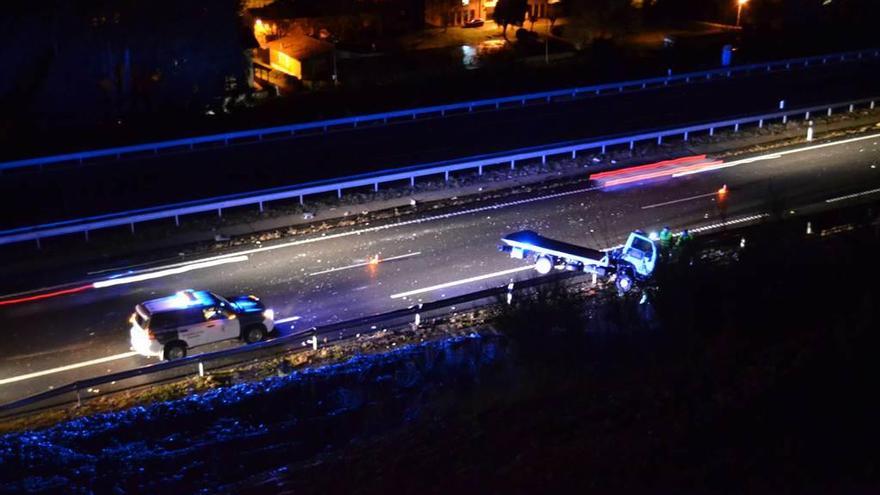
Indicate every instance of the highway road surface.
{"type": "Point", "coordinates": [111, 185]}
{"type": "Point", "coordinates": [312, 281]}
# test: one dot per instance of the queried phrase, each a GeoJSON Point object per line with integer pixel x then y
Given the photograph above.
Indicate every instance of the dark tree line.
{"type": "Point", "coordinates": [98, 60]}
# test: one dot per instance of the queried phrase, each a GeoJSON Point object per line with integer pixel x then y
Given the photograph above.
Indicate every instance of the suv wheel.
{"type": "Point", "coordinates": [175, 350]}
{"type": "Point", "coordinates": [254, 334]}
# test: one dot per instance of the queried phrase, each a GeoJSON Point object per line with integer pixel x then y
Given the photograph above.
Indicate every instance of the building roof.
{"type": "Point", "coordinates": [300, 46]}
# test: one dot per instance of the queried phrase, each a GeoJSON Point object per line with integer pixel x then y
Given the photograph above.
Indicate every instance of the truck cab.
{"type": "Point", "coordinates": [640, 252]}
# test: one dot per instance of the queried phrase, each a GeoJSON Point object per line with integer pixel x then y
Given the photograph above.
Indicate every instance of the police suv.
{"type": "Point", "coordinates": [167, 327]}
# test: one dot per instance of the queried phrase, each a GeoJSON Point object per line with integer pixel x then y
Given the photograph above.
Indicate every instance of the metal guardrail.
{"type": "Point", "coordinates": [166, 371]}
{"type": "Point", "coordinates": [218, 204]}
{"type": "Point", "coordinates": [441, 110]}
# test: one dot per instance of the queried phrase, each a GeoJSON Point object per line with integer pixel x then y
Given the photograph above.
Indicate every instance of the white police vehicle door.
{"type": "Point", "coordinates": [192, 327]}
{"type": "Point", "coordinates": [221, 323]}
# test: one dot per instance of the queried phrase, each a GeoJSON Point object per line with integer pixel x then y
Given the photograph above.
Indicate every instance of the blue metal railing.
{"type": "Point", "coordinates": [441, 110]}
{"type": "Point", "coordinates": [84, 225]}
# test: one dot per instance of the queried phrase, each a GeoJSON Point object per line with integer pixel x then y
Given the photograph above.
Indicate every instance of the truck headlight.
{"type": "Point", "coordinates": [269, 314]}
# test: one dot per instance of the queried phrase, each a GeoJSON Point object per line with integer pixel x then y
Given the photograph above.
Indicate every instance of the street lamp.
{"type": "Point", "coordinates": [739, 9]}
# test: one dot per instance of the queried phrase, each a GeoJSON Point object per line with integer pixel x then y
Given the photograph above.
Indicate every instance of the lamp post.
{"type": "Point", "coordinates": [739, 9]}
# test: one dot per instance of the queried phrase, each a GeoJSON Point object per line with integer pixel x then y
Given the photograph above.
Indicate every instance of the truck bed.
{"type": "Point", "coordinates": [527, 239]}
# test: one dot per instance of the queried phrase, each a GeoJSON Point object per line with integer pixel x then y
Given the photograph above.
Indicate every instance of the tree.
{"type": "Point", "coordinates": [509, 12]}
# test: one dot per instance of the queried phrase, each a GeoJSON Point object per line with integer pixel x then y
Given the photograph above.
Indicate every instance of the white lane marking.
{"type": "Point", "coordinates": [69, 367]}
{"type": "Point", "coordinates": [357, 265]}
{"type": "Point", "coordinates": [779, 154]}
{"type": "Point", "coordinates": [164, 273]}
{"type": "Point", "coordinates": [461, 282]}
{"type": "Point", "coordinates": [855, 195]}
{"type": "Point", "coordinates": [682, 200]}
{"type": "Point", "coordinates": [367, 230]}
{"type": "Point", "coordinates": [729, 222]}
{"type": "Point", "coordinates": [287, 320]}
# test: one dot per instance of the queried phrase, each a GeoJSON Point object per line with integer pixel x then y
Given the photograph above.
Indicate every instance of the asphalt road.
{"type": "Point", "coordinates": [317, 282]}
{"type": "Point", "coordinates": [148, 181]}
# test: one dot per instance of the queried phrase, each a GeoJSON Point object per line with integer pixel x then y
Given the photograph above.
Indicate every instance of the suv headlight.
{"type": "Point", "coordinates": [269, 314]}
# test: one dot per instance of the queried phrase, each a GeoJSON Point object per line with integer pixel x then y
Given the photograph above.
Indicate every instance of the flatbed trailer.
{"type": "Point", "coordinates": [634, 261]}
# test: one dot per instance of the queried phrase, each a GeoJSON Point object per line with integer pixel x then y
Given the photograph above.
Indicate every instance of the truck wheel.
{"type": "Point", "coordinates": [174, 350]}
{"type": "Point", "coordinates": [624, 282]}
{"type": "Point", "coordinates": [254, 334]}
{"type": "Point", "coordinates": [544, 265]}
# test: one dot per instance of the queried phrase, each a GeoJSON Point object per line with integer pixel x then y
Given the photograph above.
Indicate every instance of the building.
{"type": "Point", "coordinates": [307, 59]}
{"type": "Point", "coordinates": [442, 13]}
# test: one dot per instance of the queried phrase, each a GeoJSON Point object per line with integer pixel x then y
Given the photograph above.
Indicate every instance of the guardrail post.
{"type": "Point", "coordinates": [417, 320]}
{"type": "Point", "coordinates": [851, 108]}
{"type": "Point", "coordinates": [872, 104]}
{"type": "Point", "coordinates": [632, 144]}
{"type": "Point", "coordinates": [132, 227]}
{"type": "Point", "coordinates": [87, 235]}
{"type": "Point", "coordinates": [78, 398]}
{"type": "Point", "coordinates": [510, 293]}
{"type": "Point", "coordinates": [785, 119]}
{"type": "Point", "coordinates": [543, 159]}
{"type": "Point", "coordinates": [301, 202]}
{"type": "Point", "coordinates": [807, 116]}
{"type": "Point", "coordinates": [711, 131]}
{"type": "Point", "coordinates": [479, 170]}
{"type": "Point", "coordinates": [219, 212]}
{"type": "Point", "coordinates": [573, 154]}
{"type": "Point", "coordinates": [412, 181]}
{"type": "Point", "coordinates": [603, 149]}
{"type": "Point", "coordinates": [201, 370]}
{"type": "Point", "coordinates": [177, 220]}
{"type": "Point", "coordinates": [685, 135]}
{"type": "Point", "coordinates": [261, 207]}
{"type": "Point", "coordinates": [38, 243]}
{"type": "Point", "coordinates": [659, 139]}
{"type": "Point", "coordinates": [829, 111]}
{"type": "Point", "coordinates": [512, 164]}
{"type": "Point", "coordinates": [446, 175]}
{"type": "Point", "coordinates": [736, 127]}
{"type": "Point", "coordinates": [339, 193]}
{"type": "Point", "coordinates": [810, 132]}
{"type": "Point", "coordinates": [760, 123]}
{"type": "Point", "coordinates": [376, 187]}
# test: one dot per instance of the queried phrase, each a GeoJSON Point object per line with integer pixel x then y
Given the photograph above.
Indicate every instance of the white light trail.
{"type": "Point", "coordinates": [69, 367]}
{"type": "Point", "coordinates": [461, 282]}
{"type": "Point", "coordinates": [170, 271]}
